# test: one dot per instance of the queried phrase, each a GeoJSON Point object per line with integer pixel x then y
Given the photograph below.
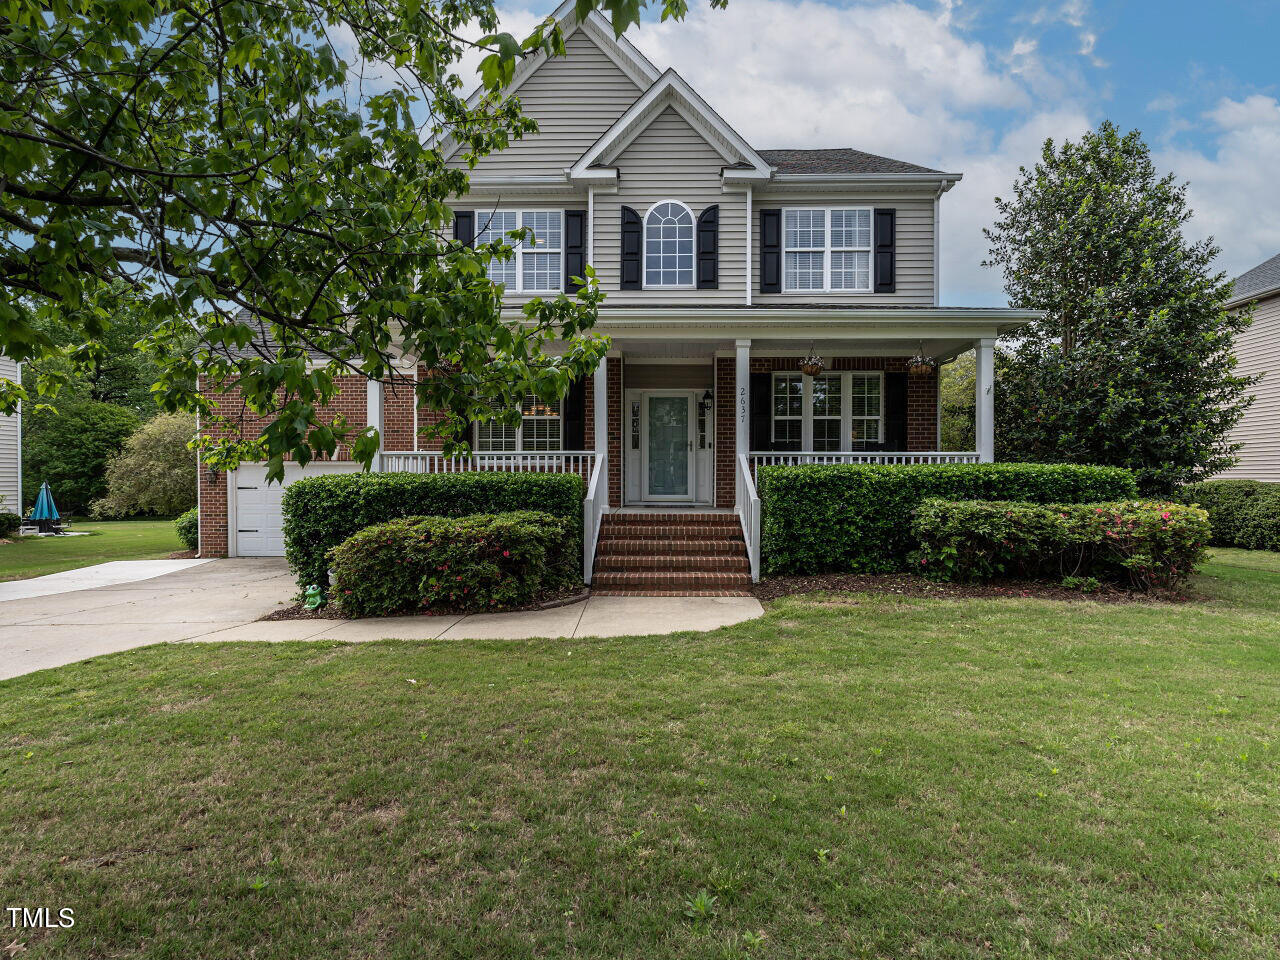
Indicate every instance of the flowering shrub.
{"type": "Point", "coordinates": [1242, 513]}
{"type": "Point", "coordinates": [479, 562]}
{"type": "Point", "coordinates": [1145, 544]}
{"type": "Point", "coordinates": [856, 518]}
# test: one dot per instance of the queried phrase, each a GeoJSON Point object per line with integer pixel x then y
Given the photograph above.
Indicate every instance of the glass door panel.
{"type": "Point", "coordinates": [668, 472]}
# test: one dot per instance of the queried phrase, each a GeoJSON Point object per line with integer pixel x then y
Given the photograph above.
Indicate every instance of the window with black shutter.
{"type": "Point", "coordinates": [709, 248]}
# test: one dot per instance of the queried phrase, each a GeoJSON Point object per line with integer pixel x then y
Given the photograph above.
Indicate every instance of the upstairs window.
{"type": "Point", "coordinates": [539, 429]}
{"type": "Point", "coordinates": [538, 264]}
{"type": "Point", "coordinates": [826, 250]}
{"type": "Point", "coordinates": [668, 246]}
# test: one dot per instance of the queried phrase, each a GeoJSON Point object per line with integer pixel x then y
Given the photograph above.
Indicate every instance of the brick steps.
{"type": "Point", "coordinates": [671, 554]}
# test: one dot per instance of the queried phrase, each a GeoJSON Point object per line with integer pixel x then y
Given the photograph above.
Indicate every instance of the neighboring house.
{"type": "Point", "coordinates": [724, 266]}
{"type": "Point", "coordinates": [10, 448]}
{"type": "Point", "coordinates": [1258, 352]}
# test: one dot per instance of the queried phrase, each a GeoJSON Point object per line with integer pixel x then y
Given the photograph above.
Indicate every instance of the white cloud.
{"type": "Point", "coordinates": [1233, 187]}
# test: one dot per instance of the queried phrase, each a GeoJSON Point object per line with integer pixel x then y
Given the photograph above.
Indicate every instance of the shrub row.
{"type": "Point", "coordinates": [321, 512]}
{"type": "Point", "coordinates": [478, 562]}
{"type": "Point", "coordinates": [857, 518]}
{"type": "Point", "coordinates": [188, 527]}
{"type": "Point", "coordinates": [1242, 513]}
{"type": "Point", "coordinates": [1144, 544]}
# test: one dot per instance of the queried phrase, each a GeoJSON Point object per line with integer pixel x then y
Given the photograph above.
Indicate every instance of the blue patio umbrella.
{"type": "Point", "coordinates": [45, 511]}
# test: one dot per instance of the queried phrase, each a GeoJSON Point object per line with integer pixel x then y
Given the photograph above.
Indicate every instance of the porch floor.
{"type": "Point", "coordinates": [680, 508]}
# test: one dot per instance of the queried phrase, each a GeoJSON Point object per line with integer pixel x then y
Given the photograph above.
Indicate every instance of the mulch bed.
{"type": "Point", "coordinates": [184, 555]}
{"type": "Point", "coordinates": [298, 612]}
{"type": "Point", "coordinates": [907, 585]}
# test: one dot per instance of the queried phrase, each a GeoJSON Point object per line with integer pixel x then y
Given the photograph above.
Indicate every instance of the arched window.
{"type": "Point", "coordinates": [668, 245]}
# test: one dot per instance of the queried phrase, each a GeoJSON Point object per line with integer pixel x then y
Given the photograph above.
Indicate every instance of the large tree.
{"type": "Point", "coordinates": [190, 160]}
{"type": "Point", "coordinates": [1132, 364]}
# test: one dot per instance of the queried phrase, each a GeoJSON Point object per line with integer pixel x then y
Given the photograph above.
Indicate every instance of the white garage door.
{"type": "Point", "coordinates": [257, 520]}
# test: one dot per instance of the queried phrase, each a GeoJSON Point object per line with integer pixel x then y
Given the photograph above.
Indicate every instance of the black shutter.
{"type": "Point", "coordinates": [573, 418]}
{"type": "Point", "coordinates": [709, 248]}
{"type": "Point", "coordinates": [884, 251]}
{"type": "Point", "coordinates": [631, 243]}
{"type": "Point", "coordinates": [760, 436]}
{"type": "Point", "coordinates": [464, 227]}
{"type": "Point", "coordinates": [895, 412]}
{"type": "Point", "coordinates": [770, 251]}
{"type": "Point", "coordinates": [575, 253]}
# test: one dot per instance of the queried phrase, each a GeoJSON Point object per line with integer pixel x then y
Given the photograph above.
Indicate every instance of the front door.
{"type": "Point", "coordinates": [666, 445]}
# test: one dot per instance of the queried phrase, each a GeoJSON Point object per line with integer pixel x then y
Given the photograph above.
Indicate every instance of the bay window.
{"type": "Point", "coordinates": [539, 429]}
{"type": "Point", "coordinates": [826, 250]}
{"type": "Point", "coordinates": [538, 264]}
{"type": "Point", "coordinates": [842, 410]}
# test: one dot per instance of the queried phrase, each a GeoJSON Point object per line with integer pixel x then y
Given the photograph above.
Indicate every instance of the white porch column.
{"type": "Point", "coordinates": [984, 420]}
{"type": "Point", "coordinates": [742, 395]}
{"type": "Point", "coordinates": [373, 415]}
{"type": "Point", "coordinates": [600, 411]}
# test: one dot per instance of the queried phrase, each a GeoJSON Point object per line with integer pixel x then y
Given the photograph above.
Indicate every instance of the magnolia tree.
{"type": "Point", "coordinates": [197, 162]}
{"type": "Point", "coordinates": [1132, 364]}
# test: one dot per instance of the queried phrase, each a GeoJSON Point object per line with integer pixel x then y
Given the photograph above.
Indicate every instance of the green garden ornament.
{"type": "Point", "coordinates": [314, 597]}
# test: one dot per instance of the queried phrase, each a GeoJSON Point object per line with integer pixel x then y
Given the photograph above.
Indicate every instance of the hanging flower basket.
{"type": "Point", "coordinates": [811, 366]}
{"type": "Point", "coordinates": [921, 366]}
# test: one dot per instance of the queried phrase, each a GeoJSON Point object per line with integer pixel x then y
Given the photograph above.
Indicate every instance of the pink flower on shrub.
{"type": "Point", "coordinates": [1165, 515]}
{"type": "Point", "coordinates": [506, 553]}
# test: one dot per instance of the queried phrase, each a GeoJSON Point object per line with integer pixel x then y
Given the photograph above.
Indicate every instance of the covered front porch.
{"type": "Point", "coordinates": [680, 417]}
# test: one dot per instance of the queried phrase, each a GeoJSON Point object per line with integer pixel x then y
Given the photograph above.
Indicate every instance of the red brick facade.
{"type": "Point", "coordinates": [398, 423]}
{"type": "Point", "coordinates": [350, 402]}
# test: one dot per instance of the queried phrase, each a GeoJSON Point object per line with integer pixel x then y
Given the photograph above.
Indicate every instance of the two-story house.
{"type": "Point", "coordinates": [764, 305]}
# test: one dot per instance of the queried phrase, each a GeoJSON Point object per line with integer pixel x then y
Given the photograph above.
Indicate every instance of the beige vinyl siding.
{"type": "Point", "coordinates": [1258, 352]}
{"type": "Point", "coordinates": [913, 238]}
{"type": "Point", "coordinates": [670, 160]}
{"type": "Point", "coordinates": [10, 451]}
{"type": "Point", "coordinates": [575, 99]}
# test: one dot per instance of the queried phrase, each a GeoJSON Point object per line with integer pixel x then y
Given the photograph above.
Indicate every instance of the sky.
{"type": "Point", "coordinates": [975, 87]}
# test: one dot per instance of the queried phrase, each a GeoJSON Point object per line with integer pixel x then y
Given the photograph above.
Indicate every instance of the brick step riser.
{"type": "Point", "coordinates": [672, 518]}
{"type": "Point", "coordinates": [671, 580]}
{"type": "Point", "coordinates": [656, 592]}
{"type": "Point", "coordinates": [671, 533]}
{"type": "Point", "coordinates": [634, 563]}
{"type": "Point", "coordinates": [676, 548]}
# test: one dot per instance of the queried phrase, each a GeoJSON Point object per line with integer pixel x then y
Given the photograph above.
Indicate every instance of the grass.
{"type": "Point", "coordinates": [28, 557]}
{"type": "Point", "coordinates": [851, 776]}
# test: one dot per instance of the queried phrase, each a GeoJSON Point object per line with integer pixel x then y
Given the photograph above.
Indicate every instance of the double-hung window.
{"type": "Point", "coordinates": [539, 429]}
{"type": "Point", "coordinates": [841, 410]}
{"type": "Point", "coordinates": [826, 250]}
{"type": "Point", "coordinates": [538, 263]}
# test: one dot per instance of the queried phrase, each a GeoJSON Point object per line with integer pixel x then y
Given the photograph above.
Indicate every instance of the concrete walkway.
{"type": "Point", "coordinates": [221, 600]}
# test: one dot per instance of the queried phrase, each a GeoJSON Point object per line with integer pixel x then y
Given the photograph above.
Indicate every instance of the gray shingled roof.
{"type": "Point", "coordinates": [837, 160]}
{"type": "Point", "coordinates": [1265, 276]}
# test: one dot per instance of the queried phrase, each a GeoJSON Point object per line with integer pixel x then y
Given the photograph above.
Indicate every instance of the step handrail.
{"type": "Point", "coordinates": [594, 508]}
{"type": "Point", "coordinates": [747, 506]}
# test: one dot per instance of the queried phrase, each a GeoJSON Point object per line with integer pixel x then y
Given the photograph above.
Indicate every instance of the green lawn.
{"type": "Point", "coordinates": [853, 776]}
{"type": "Point", "coordinates": [111, 540]}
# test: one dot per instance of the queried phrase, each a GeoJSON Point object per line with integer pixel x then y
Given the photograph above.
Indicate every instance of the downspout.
{"type": "Point", "coordinates": [937, 245]}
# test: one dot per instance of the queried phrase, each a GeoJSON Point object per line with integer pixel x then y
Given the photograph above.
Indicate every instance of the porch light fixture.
{"type": "Point", "coordinates": [921, 365]}
{"type": "Point", "coordinates": [811, 365]}
{"type": "Point", "coordinates": [705, 403]}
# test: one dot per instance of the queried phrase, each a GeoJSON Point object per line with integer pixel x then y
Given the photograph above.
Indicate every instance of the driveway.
{"type": "Point", "coordinates": [221, 600]}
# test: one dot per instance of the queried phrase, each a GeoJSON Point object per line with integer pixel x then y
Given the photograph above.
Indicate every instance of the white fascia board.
{"type": "Point", "coordinates": [938, 181]}
{"type": "Point", "coordinates": [1259, 297]}
{"type": "Point", "coordinates": [669, 90]}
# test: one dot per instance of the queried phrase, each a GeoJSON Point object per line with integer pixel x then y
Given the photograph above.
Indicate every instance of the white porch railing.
{"type": "Point", "coordinates": [550, 461]}
{"type": "Point", "coordinates": [593, 511]}
{"type": "Point", "coordinates": [783, 459]}
{"type": "Point", "coordinates": [748, 510]}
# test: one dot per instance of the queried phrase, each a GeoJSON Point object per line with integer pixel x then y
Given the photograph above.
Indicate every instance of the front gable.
{"type": "Point", "coordinates": [574, 99]}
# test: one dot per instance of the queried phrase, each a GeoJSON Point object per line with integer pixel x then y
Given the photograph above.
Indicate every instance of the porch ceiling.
{"type": "Point", "coordinates": [664, 349]}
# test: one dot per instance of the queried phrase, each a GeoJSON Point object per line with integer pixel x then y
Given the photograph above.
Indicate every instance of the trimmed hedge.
{"type": "Point", "coordinates": [321, 512]}
{"type": "Point", "coordinates": [1143, 543]}
{"type": "Point", "coordinates": [856, 518]}
{"type": "Point", "coordinates": [188, 527]}
{"type": "Point", "coordinates": [9, 524]}
{"type": "Point", "coordinates": [477, 562]}
{"type": "Point", "coordinates": [1242, 513]}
